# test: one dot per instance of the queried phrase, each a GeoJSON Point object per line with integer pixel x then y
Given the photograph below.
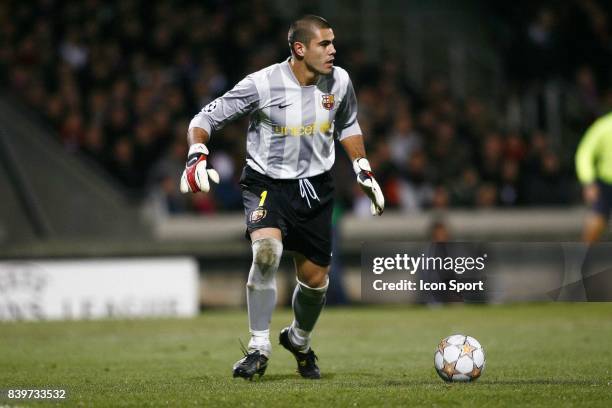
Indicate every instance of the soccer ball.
{"type": "Point", "coordinates": [459, 358]}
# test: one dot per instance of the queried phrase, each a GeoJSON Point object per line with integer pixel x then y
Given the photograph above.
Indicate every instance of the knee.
{"type": "Point", "coordinates": [266, 257]}
{"type": "Point", "coordinates": [312, 294]}
{"type": "Point", "coordinates": [316, 279]}
{"type": "Point", "coordinates": [267, 253]}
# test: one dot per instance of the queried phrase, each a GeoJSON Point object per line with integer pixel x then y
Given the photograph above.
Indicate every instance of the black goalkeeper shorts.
{"type": "Point", "coordinates": [603, 203]}
{"type": "Point", "coordinates": [300, 208]}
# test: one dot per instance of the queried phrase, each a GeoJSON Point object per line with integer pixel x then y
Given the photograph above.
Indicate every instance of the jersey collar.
{"type": "Point", "coordinates": [287, 68]}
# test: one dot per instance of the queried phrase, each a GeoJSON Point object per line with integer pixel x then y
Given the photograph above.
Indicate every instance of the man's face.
{"type": "Point", "coordinates": [319, 54]}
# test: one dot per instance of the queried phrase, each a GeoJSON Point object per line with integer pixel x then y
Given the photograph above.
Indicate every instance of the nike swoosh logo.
{"type": "Point", "coordinates": [283, 106]}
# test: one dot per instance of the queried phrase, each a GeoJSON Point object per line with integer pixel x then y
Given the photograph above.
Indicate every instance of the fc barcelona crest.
{"type": "Point", "coordinates": [257, 214]}
{"type": "Point", "coordinates": [328, 101]}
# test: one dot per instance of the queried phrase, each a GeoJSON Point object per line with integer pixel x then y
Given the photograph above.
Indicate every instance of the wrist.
{"type": "Point", "coordinates": [197, 149]}
{"type": "Point", "coordinates": [361, 164]}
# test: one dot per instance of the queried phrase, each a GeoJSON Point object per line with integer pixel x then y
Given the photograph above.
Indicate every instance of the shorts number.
{"type": "Point", "coordinates": [263, 196]}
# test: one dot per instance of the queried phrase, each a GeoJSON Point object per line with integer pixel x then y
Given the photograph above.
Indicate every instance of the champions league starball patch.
{"type": "Point", "coordinates": [257, 215]}
{"type": "Point", "coordinates": [211, 106]}
{"type": "Point", "coordinates": [328, 101]}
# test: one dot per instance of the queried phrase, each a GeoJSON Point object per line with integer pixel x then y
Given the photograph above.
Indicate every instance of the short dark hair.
{"type": "Point", "coordinates": [302, 30]}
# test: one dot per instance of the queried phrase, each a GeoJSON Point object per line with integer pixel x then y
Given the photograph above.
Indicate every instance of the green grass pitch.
{"type": "Point", "coordinates": [537, 355]}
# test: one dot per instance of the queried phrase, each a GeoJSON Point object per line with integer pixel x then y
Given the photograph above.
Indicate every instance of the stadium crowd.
{"type": "Point", "coordinates": [119, 81]}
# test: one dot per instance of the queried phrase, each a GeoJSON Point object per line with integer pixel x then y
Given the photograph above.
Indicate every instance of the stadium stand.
{"type": "Point", "coordinates": [118, 84]}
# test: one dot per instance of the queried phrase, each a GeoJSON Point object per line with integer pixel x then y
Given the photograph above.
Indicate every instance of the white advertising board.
{"type": "Point", "coordinates": [100, 288]}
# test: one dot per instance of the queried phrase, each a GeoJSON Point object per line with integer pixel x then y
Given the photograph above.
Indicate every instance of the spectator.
{"type": "Point", "coordinates": [115, 83]}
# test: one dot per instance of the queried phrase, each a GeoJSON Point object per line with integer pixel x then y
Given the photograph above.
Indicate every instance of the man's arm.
{"type": "Point", "coordinates": [354, 147]}
{"type": "Point", "coordinates": [239, 101]}
{"type": "Point", "coordinates": [585, 155]}
{"type": "Point", "coordinates": [585, 162]}
{"type": "Point", "coordinates": [197, 135]}
{"type": "Point", "coordinates": [348, 132]}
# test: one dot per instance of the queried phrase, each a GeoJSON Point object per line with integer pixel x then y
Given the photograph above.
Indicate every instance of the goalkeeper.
{"type": "Point", "coordinates": [594, 168]}
{"type": "Point", "coordinates": [297, 108]}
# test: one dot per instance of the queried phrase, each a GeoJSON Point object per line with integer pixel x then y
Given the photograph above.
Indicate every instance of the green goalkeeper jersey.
{"type": "Point", "coordinates": [594, 154]}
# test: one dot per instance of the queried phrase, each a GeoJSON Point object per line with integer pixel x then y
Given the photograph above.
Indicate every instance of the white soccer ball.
{"type": "Point", "coordinates": [459, 358]}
